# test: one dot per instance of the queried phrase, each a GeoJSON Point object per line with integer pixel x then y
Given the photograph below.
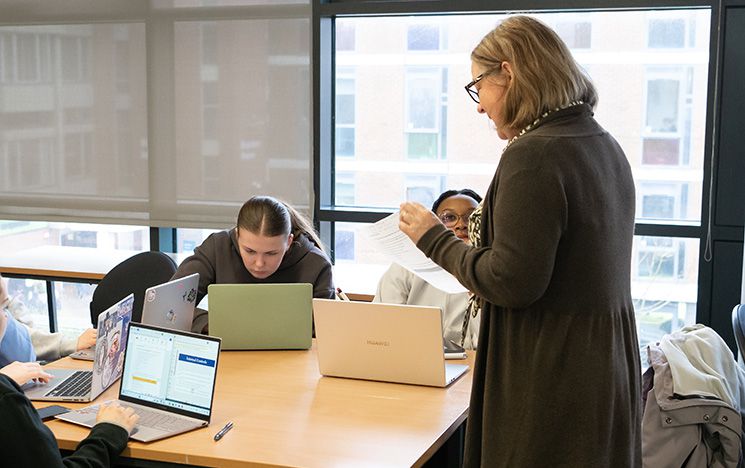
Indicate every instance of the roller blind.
{"type": "Point", "coordinates": [161, 113]}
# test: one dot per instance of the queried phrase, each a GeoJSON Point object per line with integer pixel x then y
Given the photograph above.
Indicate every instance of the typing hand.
{"type": "Point", "coordinates": [114, 414]}
{"type": "Point", "coordinates": [22, 372]}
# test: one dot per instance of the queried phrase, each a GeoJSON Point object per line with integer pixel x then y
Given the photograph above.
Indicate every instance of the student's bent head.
{"type": "Point", "coordinates": [264, 234]}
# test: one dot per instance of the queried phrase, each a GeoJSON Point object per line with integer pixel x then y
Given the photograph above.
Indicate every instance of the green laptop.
{"type": "Point", "coordinates": [261, 316]}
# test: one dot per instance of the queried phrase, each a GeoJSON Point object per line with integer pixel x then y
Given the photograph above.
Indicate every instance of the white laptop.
{"type": "Point", "coordinates": [86, 385]}
{"type": "Point", "coordinates": [171, 304]}
{"type": "Point", "coordinates": [387, 342]}
{"type": "Point", "coordinates": [169, 380]}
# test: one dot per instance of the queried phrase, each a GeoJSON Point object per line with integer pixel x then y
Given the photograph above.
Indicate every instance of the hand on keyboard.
{"type": "Point", "coordinates": [115, 414]}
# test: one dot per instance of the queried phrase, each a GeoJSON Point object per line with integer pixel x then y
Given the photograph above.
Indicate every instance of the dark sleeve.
{"type": "Point", "coordinates": [101, 448]}
{"type": "Point", "coordinates": [202, 262]}
{"type": "Point", "coordinates": [28, 442]}
{"type": "Point", "coordinates": [323, 286]}
{"type": "Point", "coordinates": [528, 214]}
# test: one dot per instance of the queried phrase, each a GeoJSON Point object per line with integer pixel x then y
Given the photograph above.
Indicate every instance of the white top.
{"type": "Point", "coordinates": [400, 286]}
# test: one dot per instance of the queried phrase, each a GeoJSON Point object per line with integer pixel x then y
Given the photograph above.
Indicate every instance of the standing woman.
{"type": "Point", "coordinates": [271, 243]}
{"type": "Point", "coordinates": [557, 374]}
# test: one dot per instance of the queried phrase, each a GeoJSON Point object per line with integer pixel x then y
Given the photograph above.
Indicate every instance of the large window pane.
{"type": "Point", "coordinates": [73, 119]}
{"type": "Point", "coordinates": [664, 285]}
{"type": "Point", "coordinates": [652, 101]}
{"type": "Point", "coordinates": [17, 236]}
{"type": "Point", "coordinates": [242, 94]}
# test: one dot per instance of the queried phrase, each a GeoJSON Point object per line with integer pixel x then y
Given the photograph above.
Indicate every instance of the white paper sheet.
{"type": "Point", "coordinates": [389, 240]}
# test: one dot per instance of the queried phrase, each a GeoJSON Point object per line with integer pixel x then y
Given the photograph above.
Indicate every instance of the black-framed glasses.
{"type": "Point", "coordinates": [450, 219]}
{"type": "Point", "coordinates": [471, 87]}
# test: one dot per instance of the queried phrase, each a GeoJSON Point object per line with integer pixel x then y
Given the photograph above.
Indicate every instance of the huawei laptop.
{"type": "Point", "coordinates": [386, 342]}
{"type": "Point", "coordinates": [168, 379]}
{"type": "Point", "coordinates": [86, 385]}
{"type": "Point", "coordinates": [261, 316]}
{"type": "Point", "coordinates": [171, 304]}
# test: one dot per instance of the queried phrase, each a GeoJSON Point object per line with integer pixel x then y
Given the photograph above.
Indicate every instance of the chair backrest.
{"type": "Point", "coordinates": [133, 275]}
{"type": "Point", "coordinates": [738, 326]}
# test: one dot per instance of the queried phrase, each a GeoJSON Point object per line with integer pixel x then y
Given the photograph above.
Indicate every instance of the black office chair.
{"type": "Point", "coordinates": [738, 326]}
{"type": "Point", "coordinates": [133, 275]}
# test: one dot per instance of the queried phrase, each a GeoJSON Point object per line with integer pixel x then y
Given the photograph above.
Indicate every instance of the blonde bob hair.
{"type": "Point", "coordinates": [544, 73]}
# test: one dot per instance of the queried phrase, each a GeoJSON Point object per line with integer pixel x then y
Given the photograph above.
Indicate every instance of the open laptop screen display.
{"type": "Point", "coordinates": [170, 370]}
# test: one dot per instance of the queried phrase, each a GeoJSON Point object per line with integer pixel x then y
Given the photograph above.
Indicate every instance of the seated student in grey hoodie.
{"type": "Point", "coordinates": [400, 286]}
{"type": "Point", "coordinates": [271, 243]}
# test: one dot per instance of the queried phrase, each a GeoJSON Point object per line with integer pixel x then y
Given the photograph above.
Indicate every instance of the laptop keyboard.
{"type": "Point", "coordinates": [151, 418]}
{"type": "Point", "coordinates": [78, 384]}
{"type": "Point", "coordinates": [161, 421]}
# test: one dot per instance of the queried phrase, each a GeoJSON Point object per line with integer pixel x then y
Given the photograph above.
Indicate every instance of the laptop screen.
{"type": "Point", "coordinates": [170, 370]}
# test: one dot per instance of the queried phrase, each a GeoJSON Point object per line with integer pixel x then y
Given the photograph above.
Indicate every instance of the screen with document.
{"type": "Point", "coordinates": [171, 369]}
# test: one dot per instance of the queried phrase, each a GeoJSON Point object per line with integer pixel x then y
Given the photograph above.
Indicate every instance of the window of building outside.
{"type": "Point", "coordinates": [32, 239]}
{"type": "Point", "coordinates": [652, 87]}
{"type": "Point", "coordinates": [345, 113]}
{"type": "Point", "coordinates": [189, 239]}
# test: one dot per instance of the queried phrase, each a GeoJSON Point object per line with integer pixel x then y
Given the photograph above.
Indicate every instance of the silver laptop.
{"type": "Point", "coordinates": [261, 316]}
{"type": "Point", "coordinates": [169, 380]}
{"type": "Point", "coordinates": [171, 304]}
{"type": "Point", "coordinates": [387, 342]}
{"type": "Point", "coordinates": [86, 385]}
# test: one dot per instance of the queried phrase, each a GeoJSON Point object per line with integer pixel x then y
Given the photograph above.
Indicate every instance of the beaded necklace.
{"type": "Point", "coordinates": [538, 120]}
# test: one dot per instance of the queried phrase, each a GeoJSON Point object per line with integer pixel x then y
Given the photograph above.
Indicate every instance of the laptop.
{"type": "Point", "coordinates": [261, 316]}
{"type": "Point", "coordinates": [169, 380]}
{"type": "Point", "coordinates": [86, 385]}
{"type": "Point", "coordinates": [171, 304]}
{"type": "Point", "coordinates": [386, 342]}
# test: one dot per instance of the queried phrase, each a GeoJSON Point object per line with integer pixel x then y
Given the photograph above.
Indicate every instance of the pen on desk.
{"type": "Point", "coordinates": [340, 294]}
{"type": "Point", "coordinates": [224, 430]}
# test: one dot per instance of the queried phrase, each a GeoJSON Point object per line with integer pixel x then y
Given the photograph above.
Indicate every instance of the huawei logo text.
{"type": "Point", "coordinates": [378, 343]}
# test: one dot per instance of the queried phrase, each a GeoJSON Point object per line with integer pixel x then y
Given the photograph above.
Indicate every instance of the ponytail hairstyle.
{"type": "Point", "coordinates": [267, 216]}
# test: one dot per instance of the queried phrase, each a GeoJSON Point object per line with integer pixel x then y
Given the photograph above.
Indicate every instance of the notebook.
{"type": "Point", "coordinates": [261, 316]}
{"type": "Point", "coordinates": [171, 304]}
{"type": "Point", "coordinates": [86, 385]}
{"type": "Point", "coordinates": [169, 380]}
{"type": "Point", "coordinates": [386, 342]}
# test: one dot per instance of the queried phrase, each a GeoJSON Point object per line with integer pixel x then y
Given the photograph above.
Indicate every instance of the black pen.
{"type": "Point", "coordinates": [224, 430]}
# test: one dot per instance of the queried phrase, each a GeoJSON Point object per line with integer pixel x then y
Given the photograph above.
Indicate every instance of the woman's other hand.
{"type": "Point", "coordinates": [414, 219]}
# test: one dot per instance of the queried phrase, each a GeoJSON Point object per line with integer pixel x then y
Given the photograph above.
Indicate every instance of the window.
{"type": "Point", "coordinates": [424, 189]}
{"type": "Point", "coordinates": [345, 188]}
{"type": "Point", "coordinates": [344, 247]}
{"type": "Point", "coordinates": [345, 35]}
{"type": "Point", "coordinates": [662, 105]}
{"type": "Point", "coordinates": [658, 118]}
{"type": "Point", "coordinates": [669, 107]}
{"type": "Point", "coordinates": [423, 37]}
{"type": "Point", "coordinates": [667, 33]}
{"type": "Point", "coordinates": [423, 108]}
{"type": "Point", "coordinates": [189, 239]}
{"type": "Point", "coordinates": [345, 113]}
{"type": "Point", "coordinates": [30, 235]}
{"type": "Point", "coordinates": [576, 35]}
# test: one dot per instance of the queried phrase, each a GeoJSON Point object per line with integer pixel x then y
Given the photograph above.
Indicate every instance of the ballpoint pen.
{"type": "Point", "coordinates": [341, 294]}
{"type": "Point", "coordinates": [224, 430]}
